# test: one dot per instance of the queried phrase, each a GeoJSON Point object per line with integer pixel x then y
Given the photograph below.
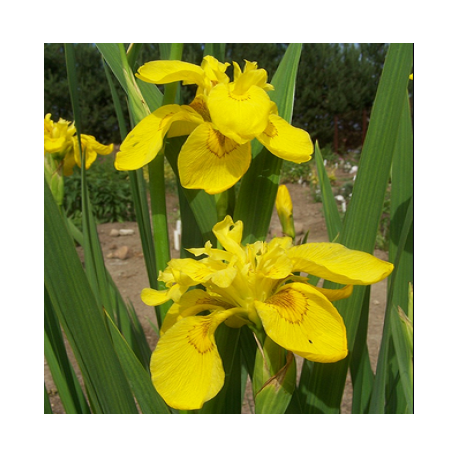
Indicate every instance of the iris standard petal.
{"type": "Point", "coordinates": [339, 264]}
{"type": "Point", "coordinates": [285, 141]}
{"type": "Point", "coordinates": [230, 234]}
{"type": "Point", "coordinates": [146, 139]}
{"type": "Point", "coordinates": [215, 70]}
{"type": "Point", "coordinates": [186, 367]}
{"type": "Point", "coordinates": [239, 116]}
{"type": "Point", "coordinates": [253, 77]}
{"type": "Point", "coordinates": [302, 320]}
{"type": "Point", "coordinates": [210, 161]}
{"type": "Point", "coordinates": [169, 71]}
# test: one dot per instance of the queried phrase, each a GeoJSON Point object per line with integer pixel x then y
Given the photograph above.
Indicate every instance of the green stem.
{"type": "Point", "coordinates": [157, 195]}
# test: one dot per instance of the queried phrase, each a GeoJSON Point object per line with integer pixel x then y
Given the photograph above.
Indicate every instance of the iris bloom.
{"type": "Point", "coordinates": [256, 285]}
{"type": "Point", "coordinates": [61, 142]}
{"type": "Point", "coordinates": [221, 122]}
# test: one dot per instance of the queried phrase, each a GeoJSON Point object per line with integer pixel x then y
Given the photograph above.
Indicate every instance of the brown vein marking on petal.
{"type": "Point", "coordinates": [239, 97]}
{"type": "Point", "coordinates": [164, 120]}
{"type": "Point", "coordinates": [291, 305]}
{"type": "Point", "coordinates": [271, 131]}
{"type": "Point", "coordinates": [200, 106]}
{"type": "Point", "coordinates": [220, 145]}
{"type": "Point", "coordinates": [198, 337]}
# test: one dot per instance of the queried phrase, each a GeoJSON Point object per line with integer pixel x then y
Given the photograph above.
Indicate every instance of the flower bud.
{"type": "Point", "coordinates": [284, 207]}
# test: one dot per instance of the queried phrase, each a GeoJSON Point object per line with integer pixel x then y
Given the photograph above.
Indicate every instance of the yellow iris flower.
{"type": "Point", "coordinates": [255, 285]}
{"type": "Point", "coordinates": [221, 121]}
{"type": "Point", "coordinates": [61, 142]}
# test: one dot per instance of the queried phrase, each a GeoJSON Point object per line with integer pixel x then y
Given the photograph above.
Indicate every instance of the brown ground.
{"type": "Point", "coordinates": [130, 275]}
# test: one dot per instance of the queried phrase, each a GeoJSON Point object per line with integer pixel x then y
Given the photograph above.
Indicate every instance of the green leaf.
{"type": "Point", "coordinates": [401, 196]}
{"type": "Point", "coordinates": [401, 328]}
{"type": "Point", "coordinates": [360, 364]}
{"type": "Point", "coordinates": [147, 397]}
{"type": "Point", "coordinates": [47, 404]}
{"type": "Point", "coordinates": [382, 374]}
{"type": "Point", "coordinates": [59, 378]}
{"type": "Point", "coordinates": [217, 50]}
{"type": "Point", "coordinates": [138, 187]}
{"type": "Point", "coordinates": [401, 254]}
{"type": "Point", "coordinates": [81, 318]}
{"type": "Point", "coordinates": [331, 212]}
{"type": "Point", "coordinates": [59, 352]}
{"type": "Point", "coordinates": [143, 97]}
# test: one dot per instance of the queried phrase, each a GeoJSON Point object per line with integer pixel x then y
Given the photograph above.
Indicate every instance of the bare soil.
{"type": "Point", "coordinates": [130, 276]}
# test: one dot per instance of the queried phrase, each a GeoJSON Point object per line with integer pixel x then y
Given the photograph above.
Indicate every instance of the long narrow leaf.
{"type": "Point", "coordinates": [54, 334]}
{"type": "Point", "coordinates": [143, 97]}
{"type": "Point", "coordinates": [47, 404]}
{"type": "Point", "coordinates": [147, 397]}
{"type": "Point", "coordinates": [137, 184]}
{"type": "Point", "coordinates": [59, 378]}
{"type": "Point", "coordinates": [81, 318]}
{"type": "Point", "coordinates": [403, 350]}
{"type": "Point", "coordinates": [381, 376]}
{"type": "Point", "coordinates": [331, 212]}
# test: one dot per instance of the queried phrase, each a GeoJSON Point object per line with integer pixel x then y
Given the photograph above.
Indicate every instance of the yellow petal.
{"type": "Point", "coordinates": [302, 320]}
{"type": "Point", "coordinates": [210, 161]}
{"type": "Point", "coordinates": [239, 116]}
{"type": "Point", "coordinates": [215, 70]}
{"type": "Point", "coordinates": [336, 294]}
{"type": "Point", "coordinates": [146, 139]}
{"type": "Point", "coordinates": [259, 77]}
{"type": "Point", "coordinates": [339, 264]}
{"type": "Point", "coordinates": [186, 367]}
{"type": "Point", "coordinates": [229, 234]}
{"type": "Point", "coordinates": [54, 145]}
{"type": "Point", "coordinates": [169, 71]}
{"type": "Point", "coordinates": [253, 77]}
{"type": "Point", "coordinates": [154, 297]}
{"type": "Point", "coordinates": [91, 148]}
{"type": "Point", "coordinates": [274, 262]}
{"type": "Point", "coordinates": [189, 271]}
{"type": "Point", "coordinates": [286, 141]}
{"type": "Point", "coordinates": [94, 145]}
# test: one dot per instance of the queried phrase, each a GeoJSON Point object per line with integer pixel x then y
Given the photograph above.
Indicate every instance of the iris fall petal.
{"type": "Point", "coordinates": [186, 367]}
{"type": "Point", "coordinates": [285, 141]}
{"type": "Point", "coordinates": [208, 160]}
{"type": "Point", "coordinates": [302, 320]}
